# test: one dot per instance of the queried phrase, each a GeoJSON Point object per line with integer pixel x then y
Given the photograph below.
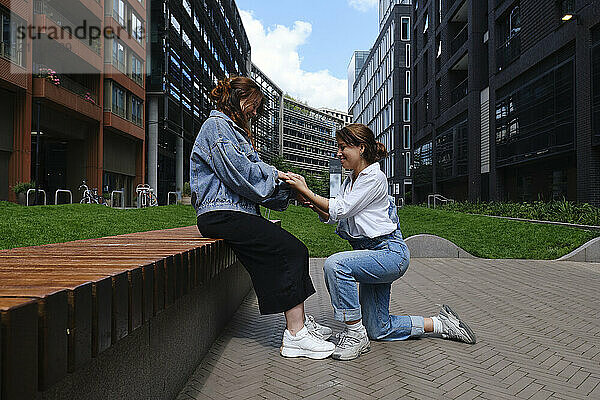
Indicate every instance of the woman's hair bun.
{"type": "Point", "coordinates": [220, 94]}
{"type": "Point", "coordinates": [381, 151]}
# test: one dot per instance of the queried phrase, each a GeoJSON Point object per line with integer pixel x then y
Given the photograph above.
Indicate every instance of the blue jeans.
{"type": "Point", "coordinates": [374, 264]}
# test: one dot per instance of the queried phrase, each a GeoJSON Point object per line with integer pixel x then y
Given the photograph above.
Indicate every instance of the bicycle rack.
{"type": "Point", "coordinates": [112, 198]}
{"type": "Point", "coordinates": [139, 195]}
{"type": "Point", "coordinates": [400, 202]}
{"type": "Point", "coordinates": [63, 191]}
{"type": "Point", "coordinates": [177, 197]}
{"type": "Point", "coordinates": [439, 198]}
{"type": "Point", "coordinates": [33, 190]}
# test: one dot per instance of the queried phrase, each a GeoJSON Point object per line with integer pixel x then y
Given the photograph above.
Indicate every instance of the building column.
{"type": "Point", "coordinates": [95, 158]}
{"type": "Point", "coordinates": [179, 164]}
{"type": "Point", "coordinates": [153, 143]}
{"type": "Point", "coordinates": [587, 158]}
{"type": "Point", "coordinates": [19, 166]}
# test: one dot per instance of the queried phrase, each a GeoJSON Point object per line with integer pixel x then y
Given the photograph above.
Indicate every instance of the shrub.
{"type": "Point", "coordinates": [558, 210]}
{"type": "Point", "coordinates": [23, 187]}
{"type": "Point", "coordinates": [187, 190]}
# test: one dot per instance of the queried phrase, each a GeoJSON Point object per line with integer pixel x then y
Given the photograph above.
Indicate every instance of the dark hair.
{"type": "Point", "coordinates": [228, 96]}
{"type": "Point", "coordinates": [357, 134]}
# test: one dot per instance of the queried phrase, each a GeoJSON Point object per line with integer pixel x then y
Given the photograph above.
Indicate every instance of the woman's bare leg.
{"type": "Point", "coordinates": [295, 318]}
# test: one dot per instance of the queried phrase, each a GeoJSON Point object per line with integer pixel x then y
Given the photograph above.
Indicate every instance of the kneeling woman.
{"type": "Point", "coordinates": [229, 182]}
{"type": "Point", "coordinates": [368, 219]}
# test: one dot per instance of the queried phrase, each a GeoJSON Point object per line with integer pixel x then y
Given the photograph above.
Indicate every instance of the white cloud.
{"type": "Point", "coordinates": [363, 5]}
{"type": "Point", "coordinates": [275, 52]}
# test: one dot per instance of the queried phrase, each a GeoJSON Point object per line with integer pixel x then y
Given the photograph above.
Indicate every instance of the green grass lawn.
{"type": "Point", "coordinates": [480, 235]}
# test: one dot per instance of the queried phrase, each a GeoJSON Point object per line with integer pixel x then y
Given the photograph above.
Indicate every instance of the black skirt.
{"type": "Point", "coordinates": [275, 259]}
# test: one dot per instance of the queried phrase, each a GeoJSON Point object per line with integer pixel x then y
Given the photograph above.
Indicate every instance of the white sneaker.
{"type": "Point", "coordinates": [323, 331]}
{"type": "Point", "coordinates": [454, 328]}
{"type": "Point", "coordinates": [305, 344]}
{"type": "Point", "coordinates": [351, 344]}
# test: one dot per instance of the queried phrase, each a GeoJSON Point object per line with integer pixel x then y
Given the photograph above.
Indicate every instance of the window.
{"type": "Point", "coordinates": [407, 163]}
{"type": "Point", "coordinates": [439, 51]}
{"type": "Point", "coordinates": [118, 100]}
{"type": "Point", "coordinates": [508, 38]}
{"type": "Point", "coordinates": [406, 103]}
{"type": "Point", "coordinates": [188, 7]}
{"type": "Point", "coordinates": [405, 28]}
{"type": "Point", "coordinates": [406, 137]}
{"type": "Point", "coordinates": [136, 110]}
{"type": "Point", "coordinates": [137, 70]}
{"type": "Point", "coordinates": [118, 58]}
{"type": "Point", "coordinates": [11, 43]}
{"type": "Point", "coordinates": [407, 56]}
{"type": "Point", "coordinates": [136, 28]}
{"type": "Point", "coordinates": [407, 80]}
{"type": "Point", "coordinates": [119, 11]}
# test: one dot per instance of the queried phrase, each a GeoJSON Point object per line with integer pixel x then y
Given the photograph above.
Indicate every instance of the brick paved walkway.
{"type": "Point", "coordinates": [537, 324]}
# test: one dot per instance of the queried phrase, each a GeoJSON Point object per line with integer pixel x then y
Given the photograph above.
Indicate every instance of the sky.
{"type": "Point", "coordinates": [305, 46]}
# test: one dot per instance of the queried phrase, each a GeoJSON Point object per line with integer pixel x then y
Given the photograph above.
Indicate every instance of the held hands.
{"type": "Point", "coordinates": [297, 182]}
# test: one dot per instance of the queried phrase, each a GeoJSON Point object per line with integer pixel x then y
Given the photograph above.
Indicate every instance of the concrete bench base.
{"type": "Point", "coordinates": [155, 361]}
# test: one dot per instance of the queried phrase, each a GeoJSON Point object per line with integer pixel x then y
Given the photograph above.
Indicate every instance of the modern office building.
{"type": "Point", "coordinates": [381, 93]}
{"type": "Point", "coordinates": [268, 128]}
{"type": "Point", "coordinates": [506, 99]}
{"type": "Point", "coordinates": [72, 101]}
{"type": "Point", "coordinates": [193, 44]}
{"type": "Point", "coordinates": [308, 137]}
{"type": "Point", "coordinates": [344, 116]}
{"type": "Point", "coordinates": [356, 63]}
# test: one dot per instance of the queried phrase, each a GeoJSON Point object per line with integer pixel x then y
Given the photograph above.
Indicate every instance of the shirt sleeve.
{"type": "Point", "coordinates": [280, 198]}
{"type": "Point", "coordinates": [363, 194]}
{"type": "Point", "coordinates": [253, 180]}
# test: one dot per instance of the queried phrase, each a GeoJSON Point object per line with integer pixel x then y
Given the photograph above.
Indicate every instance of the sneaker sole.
{"type": "Point", "coordinates": [461, 324]}
{"type": "Point", "coordinates": [348, 358]}
{"type": "Point", "coordinates": [295, 353]}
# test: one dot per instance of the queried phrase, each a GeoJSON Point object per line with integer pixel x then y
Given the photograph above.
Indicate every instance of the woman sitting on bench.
{"type": "Point", "coordinates": [229, 182]}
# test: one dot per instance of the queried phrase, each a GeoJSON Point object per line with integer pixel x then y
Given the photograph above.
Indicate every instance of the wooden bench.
{"type": "Point", "coordinates": [63, 304]}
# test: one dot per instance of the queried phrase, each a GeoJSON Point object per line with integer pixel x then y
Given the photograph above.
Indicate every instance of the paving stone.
{"type": "Point", "coordinates": [528, 349]}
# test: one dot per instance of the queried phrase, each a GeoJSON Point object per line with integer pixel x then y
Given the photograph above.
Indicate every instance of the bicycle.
{"type": "Point", "coordinates": [145, 196]}
{"type": "Point", "coordinates": [90, 196]}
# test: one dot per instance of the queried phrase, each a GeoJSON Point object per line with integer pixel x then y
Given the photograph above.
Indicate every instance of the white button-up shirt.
{"type": "Point", "coordinates": [364, 203]}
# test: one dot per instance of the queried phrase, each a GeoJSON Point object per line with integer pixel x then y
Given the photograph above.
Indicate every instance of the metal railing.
{"type": "Point", "coordinates": [43, 8]}
{"type": "Point", "coordinates": [67, 83]}
{"type": "Point", "coordinates": [112, 198]}
{"type": "Point", "coordinates": [34, 190]}
{"type": "Point", "coordinates": [433, 198]}
{"type": "Point", "coordinates": [63, 191]}
{"type": "Point", "coordinates": [460, 91]}
{"type": "Point", "coordinates": [177, 197]}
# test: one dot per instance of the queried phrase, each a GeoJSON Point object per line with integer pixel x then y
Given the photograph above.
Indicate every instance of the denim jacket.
{"type": "Point", "coordinates": [226, 172]}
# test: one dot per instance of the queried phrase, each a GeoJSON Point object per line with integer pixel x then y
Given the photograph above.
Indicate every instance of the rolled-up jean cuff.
{"type": "Point", "coordinates": [418, 326]}
{"type": "Point", "coordinates": [345, 315]}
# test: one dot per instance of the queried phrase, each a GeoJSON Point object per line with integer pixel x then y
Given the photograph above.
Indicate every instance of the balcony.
{"type": "Point", "coordinates": [64, 91]}
{"type": "Point", "coordinates": [459, 39]}
{"type": "Point", "coordinates": [41, 7]}
{"type": "Point", "coordinates": [508, 52]}
{"type": "Point", "coordinates": [460, 91]}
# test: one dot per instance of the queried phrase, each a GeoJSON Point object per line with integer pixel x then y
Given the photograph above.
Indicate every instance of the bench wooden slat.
{"type": "Point", "coordinates": [19, 350]}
